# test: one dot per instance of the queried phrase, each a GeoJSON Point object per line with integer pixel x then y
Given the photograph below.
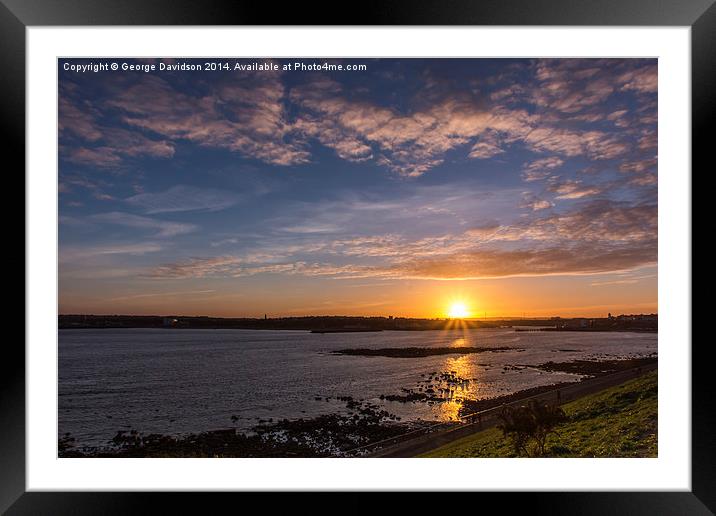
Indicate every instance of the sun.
{"type": "Point", "coordinates": [458, 310]}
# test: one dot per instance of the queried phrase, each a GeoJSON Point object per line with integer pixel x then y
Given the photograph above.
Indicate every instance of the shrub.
{"type": "Point", "coordinates": [531, 422]}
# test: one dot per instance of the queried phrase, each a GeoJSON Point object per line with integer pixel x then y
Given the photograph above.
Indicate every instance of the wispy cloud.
{"type": "Point", "coordinates": [184, 198]}
{"type": "Point", "coordinates": [161, 294]}
{"type": "Point", "coordinates": [76, 253]}
{"type": "Point", "coordinates": [595, 237]}
{"type": "Point", "coordinates": [576, 260]}
{"type": "Point", "coordinates": [613, 282]}
{"type": "Point", "coordinates": [163, 228]}
{"type": "Point", "coordinates": [197, 268]}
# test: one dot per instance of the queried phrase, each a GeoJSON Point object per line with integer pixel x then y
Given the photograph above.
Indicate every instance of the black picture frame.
{"type": "Point", "coordinates": [17, 15]}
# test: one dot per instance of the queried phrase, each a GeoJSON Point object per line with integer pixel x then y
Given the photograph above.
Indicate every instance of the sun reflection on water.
{"type": "Point", "coordinates": [463, 378]}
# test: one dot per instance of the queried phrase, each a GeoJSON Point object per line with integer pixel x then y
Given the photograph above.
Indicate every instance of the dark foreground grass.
{"type": "Point", "coordinates": [617, 422]}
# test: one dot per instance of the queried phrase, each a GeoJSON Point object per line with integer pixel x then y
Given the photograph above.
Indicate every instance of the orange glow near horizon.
{"type": "Point", "coordinates": [573, 296]}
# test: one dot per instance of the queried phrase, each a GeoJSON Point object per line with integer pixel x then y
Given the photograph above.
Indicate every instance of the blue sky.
{"type": "Point", "coordinates": [517, 185]}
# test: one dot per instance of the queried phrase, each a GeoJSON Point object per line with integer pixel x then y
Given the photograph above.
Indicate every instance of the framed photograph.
{"type": "Point", "coordinates": [436, 248]}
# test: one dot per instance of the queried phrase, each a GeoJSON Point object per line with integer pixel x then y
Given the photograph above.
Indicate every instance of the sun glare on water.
{"type": "Point", "coordinates": [458, 310]}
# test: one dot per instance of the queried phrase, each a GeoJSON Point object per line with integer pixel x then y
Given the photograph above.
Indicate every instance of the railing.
{"type": "Point", "coordinates": [425, 430]}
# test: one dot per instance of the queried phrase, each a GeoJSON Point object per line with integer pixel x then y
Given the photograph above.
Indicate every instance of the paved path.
{"type": "Point", "coordinates": [489, 418]}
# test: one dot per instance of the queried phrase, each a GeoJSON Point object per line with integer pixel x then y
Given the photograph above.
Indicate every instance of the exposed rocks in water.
{"type": "Point", "coordinates": [421, 352]}
{"type": "Point", "coordinates": [436, 388]}
{"type": "Point", "coordinates": [596, 367]}
{"type": "Point", "coordinates": [513, 368]}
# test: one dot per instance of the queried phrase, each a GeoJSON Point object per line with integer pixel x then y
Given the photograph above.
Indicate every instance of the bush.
{"type": "Point", "coordinates": [533, 422]}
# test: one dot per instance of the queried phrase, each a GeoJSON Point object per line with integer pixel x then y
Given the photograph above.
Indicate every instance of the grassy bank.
{"type": "Point", "coordinates": [618, 422]}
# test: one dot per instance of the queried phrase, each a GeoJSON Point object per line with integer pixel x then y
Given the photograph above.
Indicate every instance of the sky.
{"type": "Point", "coordinates": [520, 187]}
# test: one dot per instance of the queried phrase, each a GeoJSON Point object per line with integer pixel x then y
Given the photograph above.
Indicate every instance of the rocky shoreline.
{"type": "Point", "coordinates": [330, 435]}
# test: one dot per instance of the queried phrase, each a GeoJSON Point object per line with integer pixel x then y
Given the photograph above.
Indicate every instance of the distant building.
{"type": "Point", "coordinates": [168, 322]}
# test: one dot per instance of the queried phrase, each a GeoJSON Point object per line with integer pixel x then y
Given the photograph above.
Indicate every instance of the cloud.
{"type": "Point", "coordinates": [577, 86]}
{"type": "Point", "coordinates": [614, 282]}
{"type": "Point", "coordinates": [163, 228]}
{"type": "Point", "coordinates": [573, 189]}
{"type": "Point", "coordinates": [196, 268]}
{"type": "Point", "coordinates": [594, 237]}
{"type": "Point", "coordinates": [113, 152]}
{"type": "Point", "coordinates": [102, 157]}
{"type": "Point", "coordinates": [101, 145]}
{"type": "Point", "coordinates": [161, 294]}
{"type": "Point", "coordinates": [183, 198]}
{"type": "Point", "coordinates": [312, 228]}
{"type": "Point", "coordinates": [638, 166]}
{"type": "Point", "coordinates": [575, 260]}
{"type": "Point", "coordinates": [618, 118]}
{"type": "Point", "coordinates": [592, 144]}
{"type": "Point", "coordinates": [581, 259]}
{"type": "Point", "coordinates": [642, 80]}
{"type": "Point", "coordinates": [598, 221]}
{"type": "Point", "coordinates": [76, 121]}
{"type": "Point", "coordinates": [225, 241]}
{"type": "Point", "coordinates": [644, 180]}
{"type": "Point", "coordinates": [75, 253]}
{"type": "Point", "coordinates": [411, 144]}
{"type": "Point", "coordinates": [541, 168]}
{"type": "Point", "coordinates": [571, 85]}
{"type": "Point", "coordinates": [134, 144]}
{"type": "Point", "coordinates": [534, 203]}
{"type": "Point", "coordinates": [246, 116]}
{"type": "Point", "coordinates": [648, 140]}
{"type": "Point", "coordinates": [484, 150]}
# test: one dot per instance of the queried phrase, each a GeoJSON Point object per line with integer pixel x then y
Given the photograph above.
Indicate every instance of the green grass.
{"type": "Point", "coordinates": [617, 422]}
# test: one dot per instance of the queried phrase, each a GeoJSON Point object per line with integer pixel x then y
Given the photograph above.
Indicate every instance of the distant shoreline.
{"type": "Point", "coordinates": [356, 324]}
{"type": "Point", "coordinates": [320, 332]}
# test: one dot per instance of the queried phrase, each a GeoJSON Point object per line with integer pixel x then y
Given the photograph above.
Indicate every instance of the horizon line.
{"type": "Point", "coordinates": [356, 316]}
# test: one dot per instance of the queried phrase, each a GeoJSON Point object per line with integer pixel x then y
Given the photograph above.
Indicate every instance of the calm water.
{"type": "Point", "coordinates": [178, 381]}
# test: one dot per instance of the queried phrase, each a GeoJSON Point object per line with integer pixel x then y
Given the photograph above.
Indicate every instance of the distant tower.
{"type": "Point", "coordinates": [265, 317]}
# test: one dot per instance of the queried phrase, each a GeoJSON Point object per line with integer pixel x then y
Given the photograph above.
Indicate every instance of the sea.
{"type": "Point", "coordinates": [181, 381]}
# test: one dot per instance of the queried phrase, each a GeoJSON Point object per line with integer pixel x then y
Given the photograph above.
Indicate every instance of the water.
{"type": "Point", "coordinates": [178, 381]}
